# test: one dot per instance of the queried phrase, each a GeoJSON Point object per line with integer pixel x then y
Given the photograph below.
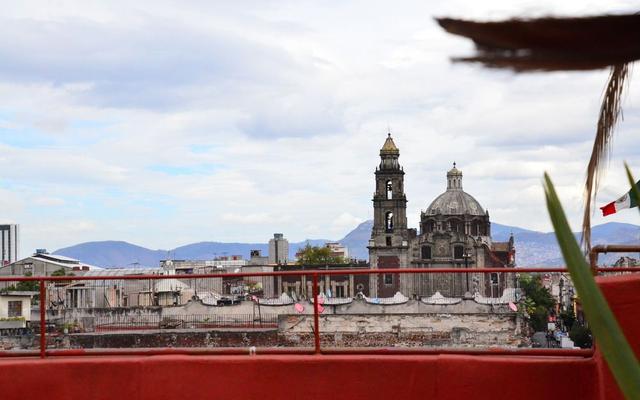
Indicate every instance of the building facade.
{"type": "Point", "coordinates": [455, 232]}
{"type": "Point", "coordinates": [338, 250]}
{"type": "Point", "coordinates": [278, 249]}
{"type": "Point", "coordinates": [9, 243]}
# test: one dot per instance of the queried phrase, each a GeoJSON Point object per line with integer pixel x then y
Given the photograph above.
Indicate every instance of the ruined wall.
{"type": "Point", "coordinates": [174, 338]}
{"type": "Point", "coordinates": [404, 330]}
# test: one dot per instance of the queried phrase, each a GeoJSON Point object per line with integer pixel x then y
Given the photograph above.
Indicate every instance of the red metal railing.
{"type": "Point", "coordinates": [315, 274]}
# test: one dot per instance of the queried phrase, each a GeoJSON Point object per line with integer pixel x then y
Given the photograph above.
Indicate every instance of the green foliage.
{"type": "Point", "coordinates": [611, 341]}
{"type": "Point", "coordinates": [568, 318]}
{"type": "Point", "coordinates": [581, 336]}
{"type": "Point", "coordinates": [23, 286]}
{"type": "Point", "coordinates": [59, 272]}
{"type": "Point", "coordinates": [538, 301]}
{"type": "Point", "coordinates": [315, 255]}
{"type": "Point", "coordinates": [635, 190]}
{"type": "Point", "coordinates": [12, 319]}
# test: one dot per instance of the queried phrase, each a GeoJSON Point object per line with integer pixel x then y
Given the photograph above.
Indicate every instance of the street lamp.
{"type": "Point", "coordinates": [561, 285]}
{"type": "Point", "coordinates": [466, 256]}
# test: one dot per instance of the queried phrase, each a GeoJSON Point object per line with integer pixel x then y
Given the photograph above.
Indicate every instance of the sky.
{"type": "Point", "coordinates": [163, 123]}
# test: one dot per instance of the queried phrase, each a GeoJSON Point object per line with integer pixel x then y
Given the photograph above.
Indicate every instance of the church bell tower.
{"type": "Point", "coordinates": [389, 243]}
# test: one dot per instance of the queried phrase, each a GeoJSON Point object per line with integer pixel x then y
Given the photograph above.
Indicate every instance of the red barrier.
{"type": "Point", "coordinates": [622, 295]}
{"type": "Point", "coordinates": [367, 377]}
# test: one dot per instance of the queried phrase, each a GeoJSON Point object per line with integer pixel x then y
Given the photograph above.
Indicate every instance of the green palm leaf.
{"type": "Point", "coordinates": [611, 340]}
{"type": "Point", "coordinates": [634, 187]}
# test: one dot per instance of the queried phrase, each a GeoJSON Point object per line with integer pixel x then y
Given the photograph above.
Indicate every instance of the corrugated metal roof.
{"type": "Point", "coordinates": [120, 272]}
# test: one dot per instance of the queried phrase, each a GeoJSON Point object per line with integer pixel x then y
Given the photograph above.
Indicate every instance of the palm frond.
{"type": "Point", "coordinates": [609, 335]}
{"type": "Point", "coordinates": [551, 43]}
{"type": "Point", "coordinates": [610, 111]}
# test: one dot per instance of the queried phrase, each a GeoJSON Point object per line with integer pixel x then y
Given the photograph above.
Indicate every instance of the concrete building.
{"type": "Point", "coordinates": [278, 249]}
{"type": "Point", "coordinates": [455, 232]}
{"type": "Point", "coordinates": [257, 258]}
{"type": "Point", "coordinates": [181, 267]}
{"type": "Point", "coordinates": [44, 264]}
{"type": "Point", "coordinates": [338, 250]}
{"type": "Point", "coordinates": [15, 309]}
{"type": "Point", "coordinates": [9, 243]}
{"type": "Point", "coordinates": [340, 286]}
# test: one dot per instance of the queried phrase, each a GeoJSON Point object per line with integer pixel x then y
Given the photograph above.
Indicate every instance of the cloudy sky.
{"type": "Point", "coordinates": [168, 122]}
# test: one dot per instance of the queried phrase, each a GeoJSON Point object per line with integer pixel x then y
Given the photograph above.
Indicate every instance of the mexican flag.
{"type": "Point", "coordinates": [629, 200]}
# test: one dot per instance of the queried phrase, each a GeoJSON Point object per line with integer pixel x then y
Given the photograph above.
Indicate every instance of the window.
{"type": "Point", "coordinates": [388, 221]}
{"type": "Point", "coordinates": [494, 284]}
{"type": "Point", "coordinates": [426, 252]}
{"type": "Point", "coordinates": [458, 252]}
{"type": "Point", "coordinates": [389, 188]}
{"type": "Point", "coordinates": [429, 226]}
{"type": "Point", "coordinates": [339, 291]}
{"type": "Point", "coordinates": [388, 279]}
{"type": "Point", "coordinates": [388, 240]}
{"type": "Point", "coordinates": [15, 309]}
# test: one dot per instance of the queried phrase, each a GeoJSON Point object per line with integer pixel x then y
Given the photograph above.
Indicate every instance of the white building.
{"type": "Point", "coordinates": [9, 243]}
{"type": "Point", "coordinates": [15, 309]}
{"type": "Point", "coordinates": [338, 250]}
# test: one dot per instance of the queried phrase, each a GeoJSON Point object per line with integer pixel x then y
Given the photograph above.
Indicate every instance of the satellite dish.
{"type": "Point", "coordinates": [299, 308]}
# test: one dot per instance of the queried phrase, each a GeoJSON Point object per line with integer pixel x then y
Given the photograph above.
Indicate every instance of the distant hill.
{"type": "Point", "coordinates": [532, 248]}
{"type": "Point", "coordinates": [357, 240]}
{"type": "Point", "coordinates": [113, 254]}
{"type": "Point", "coordinates": [119, 254]}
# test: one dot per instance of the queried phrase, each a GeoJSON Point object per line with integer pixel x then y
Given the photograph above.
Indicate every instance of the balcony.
{"type": "Point", "coordinates": [311, 366]}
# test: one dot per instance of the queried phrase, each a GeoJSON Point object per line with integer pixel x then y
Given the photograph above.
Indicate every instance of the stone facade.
{"type": "Point", "coordinates": [455, 232]}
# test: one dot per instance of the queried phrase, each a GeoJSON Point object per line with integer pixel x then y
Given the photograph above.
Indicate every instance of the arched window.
{"type": "Point", "coordinates": [389, 189]}
{"type": "Point", "coordinates": [426, 252]}
{"type": "Point", "coordinates": [388, 221]}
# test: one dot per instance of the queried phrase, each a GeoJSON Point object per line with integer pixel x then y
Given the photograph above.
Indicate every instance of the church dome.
{"type": "Point", "coordinates": [455, 201]}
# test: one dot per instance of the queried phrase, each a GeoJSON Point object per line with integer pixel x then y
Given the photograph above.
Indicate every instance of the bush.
{"type": "Point", "coordinates": [581, 336]}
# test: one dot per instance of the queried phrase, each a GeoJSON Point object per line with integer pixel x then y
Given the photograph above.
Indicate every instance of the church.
{"type": "Point", "coordinates": [455, 232]}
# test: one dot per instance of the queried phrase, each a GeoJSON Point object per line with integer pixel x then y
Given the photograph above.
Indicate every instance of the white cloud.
{"type": "Point", "coordinates": [250, 219]}
{"type": "Point", "coordinates": [153, 122]}
{"type": "Point", "coordinates": [346, 221]}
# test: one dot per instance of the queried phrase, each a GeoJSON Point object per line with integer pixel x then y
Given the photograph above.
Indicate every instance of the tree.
{"type": "Point", "coordinates": [61, 272]}
{"type": "Point", "coordinates": [315, 255]}
{"type": "Point", "coordinates": [23, 286]}
{"type": "Point", "coordinates": [581, 336]}
{"type": "Point", "coordinates": [538, 303]}
{"type": "Point", "coordinates": [568, 318]}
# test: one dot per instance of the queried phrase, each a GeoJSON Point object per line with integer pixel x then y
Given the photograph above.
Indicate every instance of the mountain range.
{"type": "Point", "coordinates": [532, 248]}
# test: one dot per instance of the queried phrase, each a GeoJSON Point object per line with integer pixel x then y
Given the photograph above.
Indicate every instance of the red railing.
{"type": "Point", "coordinates": [317, 349]}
